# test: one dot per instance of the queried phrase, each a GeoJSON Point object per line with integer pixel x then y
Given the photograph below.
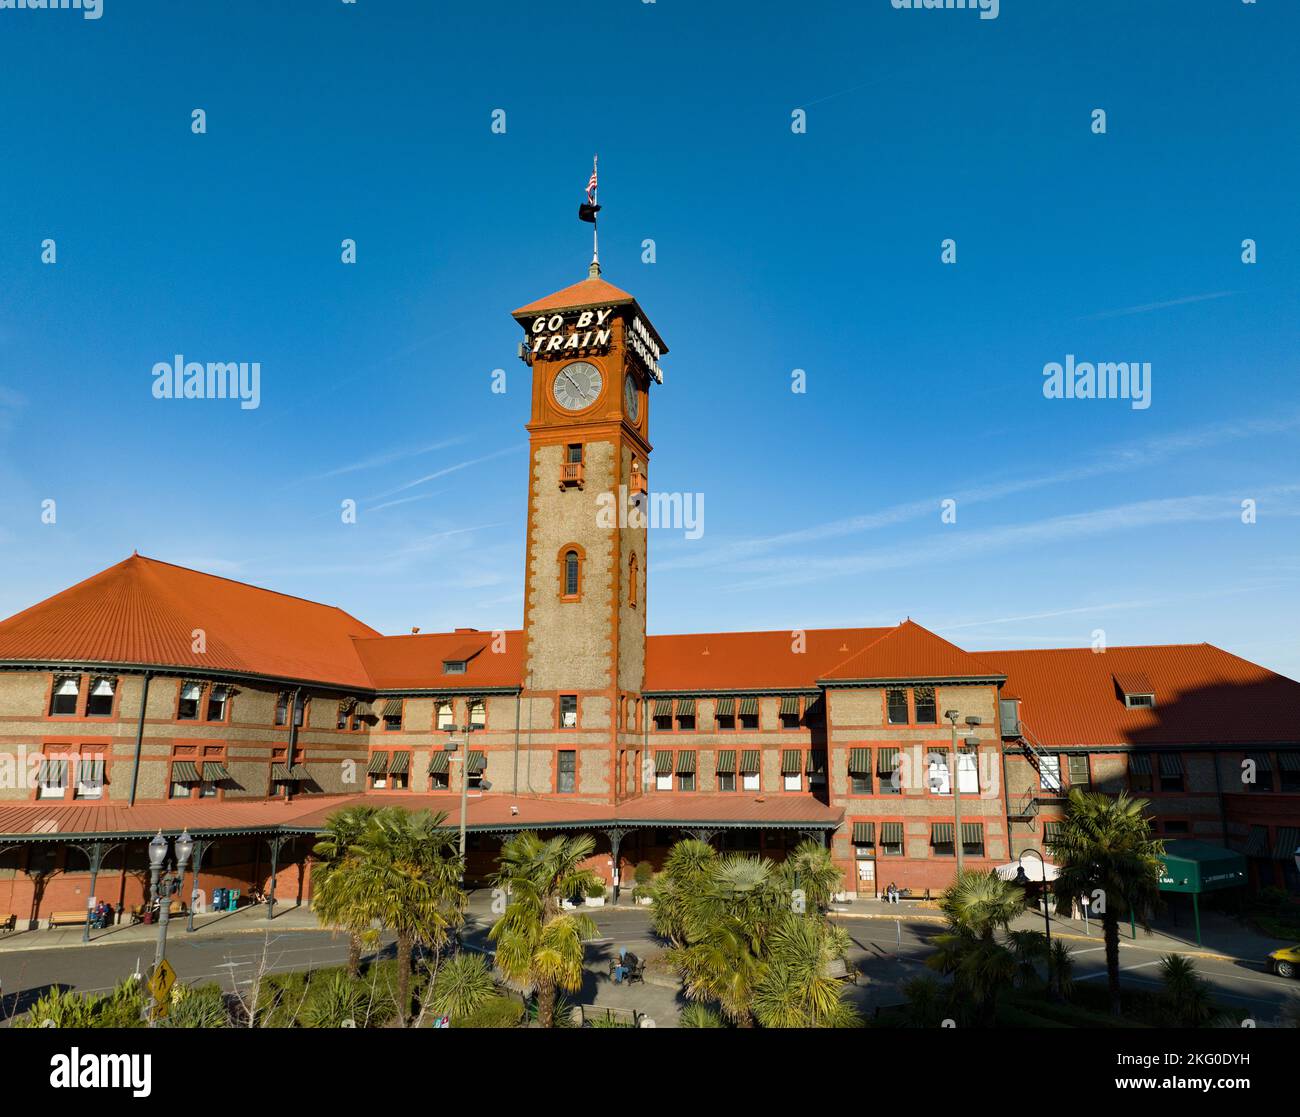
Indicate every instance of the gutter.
{"type": "Point", "coordinates": [139, 740]}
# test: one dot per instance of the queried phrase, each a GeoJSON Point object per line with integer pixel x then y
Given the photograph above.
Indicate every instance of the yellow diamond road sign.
{"type": "Point", "coordinates": [160, 984]}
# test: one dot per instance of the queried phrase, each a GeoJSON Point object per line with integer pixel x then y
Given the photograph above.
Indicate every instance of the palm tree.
{"type": "Point", "coordinates": [1106, 851]}
{"type": "Point", "coordinates": [1185, 997]}
{"type": "Point", "coordinates": [462, 985]}
{"type": "Point", "coordinates": [978, 905]}
{"type": "Point", "coordinates": [409, 878]}
{"type": "Point", "coordinates": [689, 863]}
{"type": "Point", "coordinates": [811, 869]}
{"type": "Point", "coordinates": [334, 898]}
{"type": "Point", "coordinates": [538, 943]}
{"type": "Point", "coordinates": [795, 991]}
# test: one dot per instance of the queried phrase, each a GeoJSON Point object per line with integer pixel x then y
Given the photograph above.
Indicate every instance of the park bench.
{"type": "Point", "coordinates": [583, 1016]}
{"type": "Point", "coordinates": [67, 918]}
{"type": "Point", "coordinates": [9, 922]}
{"type": "Point", "coordinates": [840, 970]}
{"type": "Point", "coordinates": [633, 967]}
{"type": "Point", "coordinates": [174, 907]}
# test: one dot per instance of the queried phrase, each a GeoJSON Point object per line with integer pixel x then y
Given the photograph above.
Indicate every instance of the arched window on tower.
{"type": "Point", "coordinates": [631, 580]}
{"type": "Point", "coordinates": [571, 574]}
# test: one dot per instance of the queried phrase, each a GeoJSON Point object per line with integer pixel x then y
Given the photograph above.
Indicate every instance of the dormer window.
{"type": "Point", "coordinates": [453, 666]}
{"type": "Point", "coordinates": [1136, 690]}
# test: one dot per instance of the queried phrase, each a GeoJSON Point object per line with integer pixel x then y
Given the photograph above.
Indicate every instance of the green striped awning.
{"type": "Point", "coordinates": [864, 833]}
{"type": "Point", "coordinates": [663, 763]}
{"type": "Point", "coordinates": [941, 833]}
{"type": "Point", "coordinates": [685, 762]}
{"type": "Point", "coordinates": [91, 771]}
{"type": "Point", "coordinates": [393, 708]}
{"type": "Point", "coordinates": [972, 833]}
{"type": "Point", "coordinates": [214, 771]}
{"type": "Point", "coordinates": [1262, 761]}
{"type": "Point", "coordinates": [686, 707]}
{"type": "Point", "coordinates": [1051, 832]}
{"type": "Point", "coordinates": [749, 706]}
{"type": "Point", "coordinates": [401, 763]}
{"type": "Point", "coordinates": [860, 762]}
{"type": "Point", "coordinates": [891, 833]}
{"type": "Point", "coordinates": [1171, 764]}
{"type": "Point", "coordinates": [1288, 842]}
{"type": "Point", "coordinates": [1289, 761]}
{"type": "Point", "coordinates": [790, 705]}
{"type": "Point", "coordinates": [726, 707]}
{"type": "Point", "coordinates": [1257, 842]}
{"type": "Point", "coordinates": [438, 762]}
{"type": "Point", "coordinates": [749, 762]}
{"type": "Point", "coordinates": [726, 762]}
{"type": "Point", "coordinates": [886, 762]}
{"type": "Point", "coordinates": [817, 762]}
{"type": "Point", "coordinates": [299, 772]}
{"type": "Point", "coordinates": [1139, 763]}
{"type": "Point", "coordinates": [663, 707]}
{"type": "Point", "coordinates": [378, 765]}
{"type": "Point", "coordinates": [185, 771]}
{"type": "Point", "coordinates": [791, 762]}
{"type": "Point", "coordinates": [280, 774]}
{"type": "Point", "coordinates": [477, 761]}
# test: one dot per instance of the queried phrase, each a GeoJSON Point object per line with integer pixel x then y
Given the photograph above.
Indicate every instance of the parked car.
{"type": "Point", "coordinates": [1286, 962]}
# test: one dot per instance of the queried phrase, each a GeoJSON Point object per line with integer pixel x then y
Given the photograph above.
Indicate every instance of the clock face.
{"type": "Point", "coordinates": [631, 399]}
{"type": "Point", "coordinates": [577, 385]}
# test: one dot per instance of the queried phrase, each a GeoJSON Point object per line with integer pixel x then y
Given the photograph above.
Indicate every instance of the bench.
{"type": "Point", "coordinates": [68, 918]}
{"type": "Point", "coordinates": [9, 922]}
{"type": "Point", "coordinates": [633, 968]}
{"type": "Point", "coordinates": [175, 907]}
{"type": "Point", "coordinates": [840, 970]}
{"type": "Point", "coordinates": [588, 1016]}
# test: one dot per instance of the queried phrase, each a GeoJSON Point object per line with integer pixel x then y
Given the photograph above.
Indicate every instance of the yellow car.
{"type": "Point", "coordinates": [1286, 962]}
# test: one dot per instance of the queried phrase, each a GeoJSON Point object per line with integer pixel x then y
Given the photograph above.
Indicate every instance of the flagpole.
{"type": "Point", "coordinates": [594, 270]}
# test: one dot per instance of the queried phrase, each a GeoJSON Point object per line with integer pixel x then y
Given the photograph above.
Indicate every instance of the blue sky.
{"type": "Point", "coordinates": [775, 251]}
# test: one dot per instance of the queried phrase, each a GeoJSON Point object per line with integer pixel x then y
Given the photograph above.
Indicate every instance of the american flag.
{"type": "Point", "coordinates": [591, 185]}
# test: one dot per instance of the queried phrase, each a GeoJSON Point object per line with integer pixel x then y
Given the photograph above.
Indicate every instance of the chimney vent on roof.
{"type": "Point", "coordinates": [466, 630]}
{"type": "Point", "coordinates": [415, 630]}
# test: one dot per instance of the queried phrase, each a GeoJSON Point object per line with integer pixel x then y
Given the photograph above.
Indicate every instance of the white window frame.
{"type": "Point", "coordinates": [968, 773]}
{"type": "Point", "coordinates": [938, 774]}
{"type": "Point", "coordinates": [1049, 762]}
{"type": "Point", "coordinates": [749, 781]}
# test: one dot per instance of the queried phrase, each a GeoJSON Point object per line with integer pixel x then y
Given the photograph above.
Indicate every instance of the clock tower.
{"type": "Point", "coordinates": [594, 356]}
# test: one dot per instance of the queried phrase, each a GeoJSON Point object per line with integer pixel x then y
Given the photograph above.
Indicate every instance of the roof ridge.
{"type": "Point", "coordinates": [776, 631]}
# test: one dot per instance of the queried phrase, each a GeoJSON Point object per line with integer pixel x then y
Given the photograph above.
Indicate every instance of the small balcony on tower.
{"type": "Point", "coordinates": [638, 485]}
{"type": "Point", "coordinates": [571, 468]}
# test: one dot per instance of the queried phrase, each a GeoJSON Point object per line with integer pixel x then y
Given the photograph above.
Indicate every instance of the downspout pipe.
{"type": "Point", "coordinates": [139, 739]}
{"type": "Point", "coordinates": [292, 749]}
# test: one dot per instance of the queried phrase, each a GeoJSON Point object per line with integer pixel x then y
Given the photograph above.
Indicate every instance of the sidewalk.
{"type": "Point", "coordinates": [246, 920]}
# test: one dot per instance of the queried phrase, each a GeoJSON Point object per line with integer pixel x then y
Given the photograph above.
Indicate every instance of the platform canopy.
{"type": "Point", "coordinates": [1197, 867]}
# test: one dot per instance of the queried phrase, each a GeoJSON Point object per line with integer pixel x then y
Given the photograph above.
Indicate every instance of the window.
{"type": "Point", "coordinates": [891, 839]}
{"type": "Point", "coordinates": [187, 709]}
{"type": "Point", "coordinates": [1140, 772]}
{"type": "Point", "coordinates": [282, 709]}
{"type": "Point", "coordinates": [927, 713]}
{"type": "Point", "coordinates": [789, 712]}
{"type": "Point", "coordinates": [100, 702]}
{"type": "Point", "coordinates": [859, 771]}
{"type": "Point", "coordinates": [631, 581]}
{"type": "Point", "coordinates": [724, 716]}
{"type": "Point", "coordinates": [217, 703]}
{"type": "Point", "coordinates": [726, 781]}
{"type": "Point", "coordinates": [749, 713]}
{"type": "Point", "coordinates": [941, 839]}
{"type": "Point", "coordinates": [1049, 773]}
{"type": "Point", "coordinates": [816, 768]}
{"type": "Point", "coordinates": [891, 780]}
{"type": "Point", "coordinates": [972, 839]}
{"type": "Point", "coordinates": [896, 703]}
{"type": "Point", "coordinates": [439, 770]}
{"type": "Point", "coordinates": [52, 778]}
{"type": "Point", "coordinates": [478, 714]}
{"type": "Point", "coordinates": [574, 453]}
{"type": "Point", "coordinates": [686, 714]}
{"type": "Point", "coordinates": [568, 711]}
{"type": "Point", "coordinates": [566, 768]}
{"type": "Point", "coordinates": [937, 772]}
{"type": "Point", "coordinates": [1139, 701]}
{"type": "Point", "coordinates": [814, 711]}
{"type": "Point", "coordinates": [300, 710]}
{"type": "Point", "coordinates": [792, 769]}
{"type": "Point", "coordinates": [1289, 763]}
{"type": "Point", "coordinates": [571, 575]}
{"type": "Point", "coordinates": [968, 775]}
{"type": "Point", "coordinates": [1262, 771]}
{"type": "Point", "coordinates": [90, 776]}
{"type": "Point", "coordinates": [726, 769]}
{"type": "Point", "coordinates": [443, 718]}
{"type": "Point", "coordinates": [1173, 826]}
{"type": "Point", "coordinates": [686, 770]}
{"type": "Point", "coordinates": [1171, 771]}
{"type": "Point", "coordinates": [63, 702]}
{"type": "Point", "coordinates": [663, 770]}
{"type": "Point", "coordinates": [392, 716]}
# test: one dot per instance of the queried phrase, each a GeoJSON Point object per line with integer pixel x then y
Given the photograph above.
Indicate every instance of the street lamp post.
{"type": "Point", "coordinates": [955, 777]}
{"type": "Point", "coordinates": [451, 746]}
{"type": "Point", "coordinates": [163, 887]}
{"type": "Point", "coordinates": [1022, 878]}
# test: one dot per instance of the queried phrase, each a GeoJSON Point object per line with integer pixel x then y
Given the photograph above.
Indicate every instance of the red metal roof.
{"type": "Point", "coordinates": [416, 662]}
{"type": "Point", "coordinates": [590, 292]}
{"type": "Point", "coordinates": [1204, 695]}
{"type": "Point", "coordinates": [911, 652]}
{"type": "Point", "coordinates": [147, 612]}
{"type": "Point", "coordinates": [707, 661]}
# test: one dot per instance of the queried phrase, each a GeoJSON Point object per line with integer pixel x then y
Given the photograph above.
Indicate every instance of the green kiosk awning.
{"type": "Point", "coordinates": [1193, 868]}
